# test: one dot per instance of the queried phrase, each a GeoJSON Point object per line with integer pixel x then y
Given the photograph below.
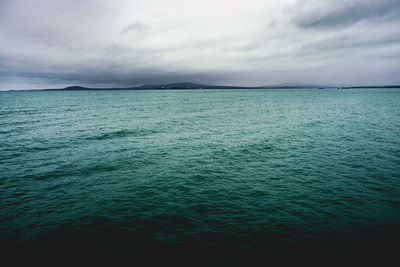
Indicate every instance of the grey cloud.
{"type": "Point", "coordinates": [350, 43]}
{"type": "Point", "coordinates": [338, 13]}
{"type": "Point", "coordinates": [136, 26]}
{"type": "Point", "coordinates": [111, 74]}
{"type": "Point", "coordinates": [99, 43]}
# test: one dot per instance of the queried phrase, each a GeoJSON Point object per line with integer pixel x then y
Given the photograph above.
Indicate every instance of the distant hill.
{"type": "Point", "coordinates": [174, 86]}
{"type": "Point", "coordinates": [76, 88]}
{"type": "Point", "coordinates": [183, 85]}
{"type": "Point", "coordinates": [187, 85]}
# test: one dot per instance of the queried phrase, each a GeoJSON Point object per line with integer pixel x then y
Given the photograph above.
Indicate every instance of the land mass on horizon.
{"type": "Point", "coordinates": [188, 85]}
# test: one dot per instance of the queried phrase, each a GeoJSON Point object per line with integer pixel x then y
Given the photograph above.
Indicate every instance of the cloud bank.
{"type": "Point", "coordinates": [51, 44]}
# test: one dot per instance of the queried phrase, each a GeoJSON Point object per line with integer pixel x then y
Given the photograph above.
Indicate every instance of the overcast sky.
{"type": "Point", "coordinates": [55, 43]}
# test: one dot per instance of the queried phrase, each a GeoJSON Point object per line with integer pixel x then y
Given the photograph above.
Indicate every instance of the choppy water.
{"type": "Point", "coordinates": [210, 177]}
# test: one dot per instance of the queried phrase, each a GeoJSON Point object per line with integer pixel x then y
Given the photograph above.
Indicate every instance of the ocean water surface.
{"type": "Point", "coordinates": [200, 177]}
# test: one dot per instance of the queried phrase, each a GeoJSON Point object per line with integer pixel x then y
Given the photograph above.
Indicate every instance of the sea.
{"type": "Point", "coordinates": [257, 177]}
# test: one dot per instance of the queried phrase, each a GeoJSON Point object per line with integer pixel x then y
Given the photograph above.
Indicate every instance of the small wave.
{"type": "Point", "coordinates": [121, 133]}
{"type": "Point", "coordinates": [6, 112]}
{"type": "Point", "coordinates": [256, 148]}
{"type": "Point", "coordinates": [72, 171]}
{"type": "Point", "coordinates": [18, 112]}
{"type": "Point", "coordinates": [314, 123]}
{"type": "Point", "coordinates": [37, 149]}
{"type": "Point", "coordinates": [40, 148]}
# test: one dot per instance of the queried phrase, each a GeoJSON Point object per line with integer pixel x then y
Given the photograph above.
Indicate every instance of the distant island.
{"type": "Point", "coordinates": [192, 86]}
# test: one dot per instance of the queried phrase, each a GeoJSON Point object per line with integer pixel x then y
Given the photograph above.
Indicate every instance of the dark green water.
{"type": "Point", "coordinates": [208, 177]}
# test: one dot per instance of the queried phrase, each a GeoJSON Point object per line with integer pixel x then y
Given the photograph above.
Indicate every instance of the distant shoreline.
{"type": "Point", "coordinates": [190, 86]}
{"type": "Point", "coordinates": [207, 87]}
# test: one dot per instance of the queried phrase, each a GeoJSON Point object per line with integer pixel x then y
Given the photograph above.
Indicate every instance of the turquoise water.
{"type": "Point", "coordinates": [210, 177]}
